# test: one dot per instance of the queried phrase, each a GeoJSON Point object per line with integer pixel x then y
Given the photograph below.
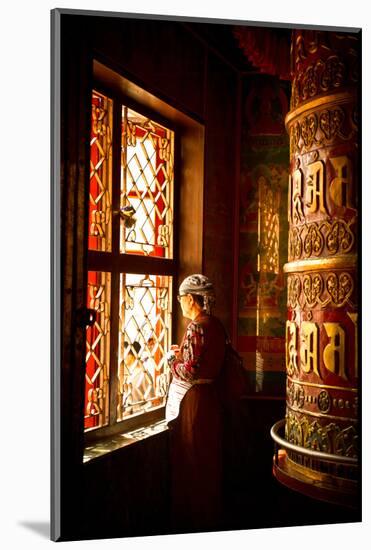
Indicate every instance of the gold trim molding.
{"type": "Point", "coordinates": [314, 104]}
{"type": "Point", "coordinates": [348, 261]}
{"type": "Point", "coordinates": [324, 416]}
{"type": "Point", "coordinates": [321, 386]}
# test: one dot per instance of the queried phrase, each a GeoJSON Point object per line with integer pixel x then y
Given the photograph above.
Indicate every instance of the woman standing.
{"type": "Point", "coordinates": [196, 432]}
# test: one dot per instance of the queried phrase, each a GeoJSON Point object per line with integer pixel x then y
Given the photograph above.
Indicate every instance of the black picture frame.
{"type": "Point", "coordinates": [62, 441]}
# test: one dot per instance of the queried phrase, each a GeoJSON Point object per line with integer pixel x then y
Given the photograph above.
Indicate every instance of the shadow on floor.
{"type": "Point", "coordinates": [42, 528]}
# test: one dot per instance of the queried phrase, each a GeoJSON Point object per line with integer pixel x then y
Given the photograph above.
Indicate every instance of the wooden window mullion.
{"type": "Point", "coordinates": [115, 281]}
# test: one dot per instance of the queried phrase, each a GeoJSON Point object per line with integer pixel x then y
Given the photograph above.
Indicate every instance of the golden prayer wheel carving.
{"type": "Point", "coordinates": [321, 328]}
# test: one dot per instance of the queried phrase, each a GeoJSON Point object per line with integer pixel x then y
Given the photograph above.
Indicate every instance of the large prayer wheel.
{"type": "Point", "coordinates": [319, 455]}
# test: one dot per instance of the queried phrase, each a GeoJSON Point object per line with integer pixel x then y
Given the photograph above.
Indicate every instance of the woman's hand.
{"type": "Point", "coordinates": [175, 348]}
{"type": "Point", "coordinates": [172, 354]}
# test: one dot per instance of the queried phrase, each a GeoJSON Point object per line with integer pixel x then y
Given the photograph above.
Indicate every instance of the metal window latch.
{"type": "Point", "coordinates": [85, 317]}
{"type": "Point", "coordinates": [127, 215]}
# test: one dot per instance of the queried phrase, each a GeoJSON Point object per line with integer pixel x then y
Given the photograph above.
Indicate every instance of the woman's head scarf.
{"type": "Point", "coordinates": [201, 286]}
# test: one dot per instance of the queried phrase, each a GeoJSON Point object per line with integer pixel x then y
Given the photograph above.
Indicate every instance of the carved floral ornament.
{"type": "Point", "coordinates": [323, 76]}
{"type": "Point", "coordinates": [339, 238]}
{"type": "Point", "coordinates": [306, 45]}
{"type": "Point", "coordinates": [308, 42]}
{"type": "Point", "coordinates": [327, 438]}
{"type": "Point", "coordinates": [293, 290]}
{"type": "Point", "coordinates": [296, 395]}
{"type": "Point", "coordinates": [312, 288]}
{"type": "Point", "coordinates": [320, 128]}
{"type": "Point", "coordinates": [324, 401]}
{"type": "Point", "coordinates": [295, 243]}
{"type": "Point", "coordinates": [319, 289]}
{"type": "Point", "coordinates": [320, 237]}
{"type": "Point", "coordinates": [313, 241]}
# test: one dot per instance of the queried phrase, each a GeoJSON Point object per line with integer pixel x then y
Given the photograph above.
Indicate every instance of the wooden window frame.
{"type": "Point", "coordinates": [187, 247]}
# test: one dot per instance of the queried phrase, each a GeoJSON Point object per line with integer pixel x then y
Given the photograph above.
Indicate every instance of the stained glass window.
{"type": "Point", "coordinates": [131, 209]}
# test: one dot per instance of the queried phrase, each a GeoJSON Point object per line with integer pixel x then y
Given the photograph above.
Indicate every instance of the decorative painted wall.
{"type": "Point", "coordinates": [263, 232]}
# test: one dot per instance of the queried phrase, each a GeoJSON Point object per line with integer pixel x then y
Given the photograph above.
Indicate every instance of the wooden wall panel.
{"type": "Point", "coordinates": [219, 192]}
{"type": "Point", "coordinates": [161, 55]}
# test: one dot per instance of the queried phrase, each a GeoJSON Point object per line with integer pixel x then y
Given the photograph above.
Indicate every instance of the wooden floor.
{"type": "Point", "coordinates": [253, 499]}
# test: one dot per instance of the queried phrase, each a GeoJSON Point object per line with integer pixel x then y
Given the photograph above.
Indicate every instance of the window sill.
{"type": "Point", "coordinates": [119, 441]}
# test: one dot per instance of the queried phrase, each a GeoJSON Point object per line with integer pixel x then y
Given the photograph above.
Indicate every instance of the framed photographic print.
{"type": "Point", "coordinates": [206, 287]}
